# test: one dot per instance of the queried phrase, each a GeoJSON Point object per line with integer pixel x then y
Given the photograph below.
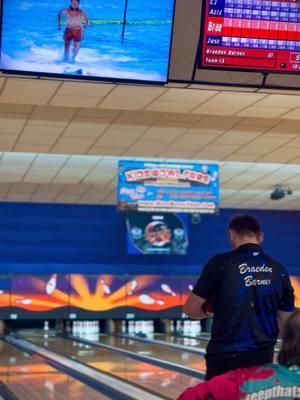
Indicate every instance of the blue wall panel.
{"type": "Point", "coordinates": [43, 238]}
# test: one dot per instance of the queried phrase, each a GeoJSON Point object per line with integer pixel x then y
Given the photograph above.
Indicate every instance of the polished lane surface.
{"type": "Point", "coordinates": [30, 379]}
{"type": "Point", "coordinates": [159, 351]}
{"type": "Point", "coordinates": [162, 381]}
{"type": "Point", "coordinates": [183, 341]}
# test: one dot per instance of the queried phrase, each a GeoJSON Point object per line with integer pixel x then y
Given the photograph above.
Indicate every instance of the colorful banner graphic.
{"type": "Point", "coordinates": [98, 296]}
{"type": "Point", "coordinates": [168, 187]}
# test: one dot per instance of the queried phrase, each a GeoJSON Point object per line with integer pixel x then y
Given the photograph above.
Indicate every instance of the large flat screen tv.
{"type": "Point", "coordinates": [258, 35]}
{"type": "Point", "coordinates": [97, 39]}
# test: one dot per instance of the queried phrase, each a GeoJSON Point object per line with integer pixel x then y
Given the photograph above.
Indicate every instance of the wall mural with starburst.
{"type": "Point", "coordinates": [98, 296]}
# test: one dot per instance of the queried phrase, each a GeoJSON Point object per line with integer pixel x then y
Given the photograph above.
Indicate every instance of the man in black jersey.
{"type": "Point", "coordinates": [253, 298]}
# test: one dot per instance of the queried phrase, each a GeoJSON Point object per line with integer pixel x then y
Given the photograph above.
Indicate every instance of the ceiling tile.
{"type": "Point", "coordinates": [264, 112]}
{"type": "Point", "coordinates": [78, 89]}
{"type": "Point", "coordinates": [34, 134]}
{"type": "Point", "coordinates": [294, 114]}
{"type": "Point", "coordinates": [97, 113]}
{"type": "Point", "coordinates": [216, 124]}
{"type": "Point", "coordinates": [237, 136]}
{"type": "Point", "coordinates": [216, 152]}
{"type": "Point", "coordinates": [190, 142]}
{"type": "Point", "coordinates": [278, 100]}
{"type": "Point", "coordinates": [264, 144]}
{"type": "Point", "coordinates": [85, 127]}
{"type": "Point", "coordinates": [12, 123]}
{"type": "Point", "coordinates": [38, 148]}
{"type": "Point", "coordinates": [28, 91]}
{"type": "Point", "coordinates": [144, 149]}
{"type": "Point", "coordinates": [16, 108]}
{"type": "Point", "coordinates": [228, 103]}
{"type": "Point", "coordinates": [131, 97]}
{"type": "Point", "coordinates": [113, 138]}
{"type": "Point", "coordinates": [260, 122]}
{"type": "Point", "coordinates": [71, 145]}
{"type": "Point", "coordinates": [71, 101]}
{"type": "Point", "coordinates": [282, 155]}
{"type": "Point", "coordinates": [187, 95]}
{"type": "Point", "coordinates": [102, 151]}
{"type": "Point", "coordinates": [171, 106]}
{"type": "Point", "coordinates": [52, 115]}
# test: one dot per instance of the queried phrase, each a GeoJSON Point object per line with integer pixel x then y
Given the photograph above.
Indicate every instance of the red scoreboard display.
{"type": "Point", "coordinates": [258, 35]}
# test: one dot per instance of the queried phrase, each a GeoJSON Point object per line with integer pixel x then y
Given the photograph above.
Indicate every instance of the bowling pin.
{"type": "Point", "coordinates": [123, 327]}
{"type": "Point", "coordinates": [191, 287]}
{"type": "Point", "coordinates": [166, 288]}
{"type": "Point", "coordinates": [26, 301]}
{"type": "Point", "coordinates": [106, 288]}
{"type": "Point", "coordinates": [146, 299]}
{"type": "Point", "coordinates": [46, 326]}
{"type": "Point", "coordinates": [132, 287]}
{"type": "Point", "coordinates": [51, 284]}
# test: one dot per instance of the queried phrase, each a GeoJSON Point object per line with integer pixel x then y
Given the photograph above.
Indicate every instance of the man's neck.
{"type": "Point", "coordinates": [247, 240]}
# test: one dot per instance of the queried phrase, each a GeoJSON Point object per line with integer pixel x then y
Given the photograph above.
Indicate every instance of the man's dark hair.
{"type": "Point", "coordinates": [245, 225]}
{"type": "Point", "coordinates": [290, 351]}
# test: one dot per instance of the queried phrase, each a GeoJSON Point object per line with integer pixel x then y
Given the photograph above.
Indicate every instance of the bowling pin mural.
{"type": "Point", "coordinates": [146, 299]}
{"type": "Point", "coordinates": [132, 286]}
{"type": "Point", "coordinates": [106, 288]}
{"type": "Point", "coordinates": [25, 301]}
{"type": "Point", "coordinates": [51, 284]}
{"type": "Point", "coordinates": [166, 288]}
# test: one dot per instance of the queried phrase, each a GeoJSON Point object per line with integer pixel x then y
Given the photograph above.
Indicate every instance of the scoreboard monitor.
{"type": "Point", "coordinates": [257, 35]}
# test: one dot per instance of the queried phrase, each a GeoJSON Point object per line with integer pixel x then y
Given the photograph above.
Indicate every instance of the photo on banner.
{"type": "Point", "coordinates": [120, 39]}
{"type": "Point", "coordinates": [164, 233]}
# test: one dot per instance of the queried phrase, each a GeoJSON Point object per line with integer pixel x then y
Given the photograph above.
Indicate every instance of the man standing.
{"type": "Point", "coordinates": [74, 28]}
{"type": "Point", "coordinates": [253, 298]}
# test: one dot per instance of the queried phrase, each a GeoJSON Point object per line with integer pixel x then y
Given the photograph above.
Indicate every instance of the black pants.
{"type": "Point", "coordinates": [220, 364]}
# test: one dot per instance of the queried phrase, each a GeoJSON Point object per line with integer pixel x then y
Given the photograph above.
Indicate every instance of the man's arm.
{"type": "Point", "coordinates": [62, 12]}
{"type": "Point", "coordinates": [193, 307]}
{"type": "Point", "coordinates": [204, 289]}
{"type": "Point", "coordinates": [287, 303]}
{"type": "Point", "coordinates": [282, 318]}
{"type": "Point", "coordinates": [85, 18]}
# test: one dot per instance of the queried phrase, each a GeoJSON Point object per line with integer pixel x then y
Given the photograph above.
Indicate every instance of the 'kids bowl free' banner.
{"type": "Point", "coordinates": [172, 187]}
{"type": "Point", "coordinates": [88, 38]}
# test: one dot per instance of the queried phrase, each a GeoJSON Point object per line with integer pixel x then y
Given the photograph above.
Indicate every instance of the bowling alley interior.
{"type": "Point", "coordinates": [130, 136]}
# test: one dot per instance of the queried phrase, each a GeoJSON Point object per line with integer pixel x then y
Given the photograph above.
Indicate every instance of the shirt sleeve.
{"type": "Point", "coordinates": [222, 387]}
{"type": "Point", "coordinates": [207, 283]}
{"type": "Point", "coordinates": [287, 301]}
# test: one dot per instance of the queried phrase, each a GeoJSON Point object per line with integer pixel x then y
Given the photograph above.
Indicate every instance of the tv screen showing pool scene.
{"type": "Point", "coordinates": [118, 40]}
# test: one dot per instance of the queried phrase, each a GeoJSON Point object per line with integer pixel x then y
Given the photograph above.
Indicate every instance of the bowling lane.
{"type": "Point", "coordinates": [158, 351]}
{"type": "Point", "coordinates": [183, 341]}
{"type": "Point", "coordinates": [30, 379]}
{"type": "Point", "coordinates": [162, 381]}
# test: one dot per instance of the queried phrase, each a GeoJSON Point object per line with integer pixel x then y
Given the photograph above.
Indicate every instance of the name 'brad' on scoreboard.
{"type": "Point", "coordinates": [258, 35]}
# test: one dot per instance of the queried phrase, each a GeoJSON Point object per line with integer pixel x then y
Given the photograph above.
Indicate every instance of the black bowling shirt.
{"type": "Point", "coordinates": [249, 287]}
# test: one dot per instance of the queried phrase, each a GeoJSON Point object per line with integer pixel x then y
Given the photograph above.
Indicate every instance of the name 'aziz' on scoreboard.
{"type": "Point", "coordinates": [258, 35]}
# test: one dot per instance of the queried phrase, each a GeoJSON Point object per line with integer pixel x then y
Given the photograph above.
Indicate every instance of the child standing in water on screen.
{"type": "Point", "coordinates": [74, 28]}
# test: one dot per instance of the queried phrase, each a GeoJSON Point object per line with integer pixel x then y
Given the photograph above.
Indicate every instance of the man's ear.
{"type": "Point", "coordinates": [261, 237]}
{"type": "Point", "coordinates": [231, 234]}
